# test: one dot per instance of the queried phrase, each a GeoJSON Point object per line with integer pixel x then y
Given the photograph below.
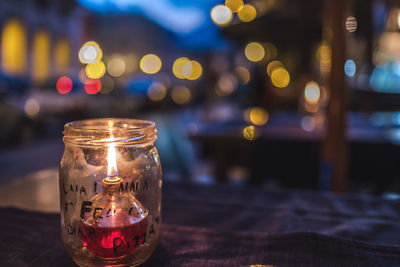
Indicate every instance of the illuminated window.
{"type": "Point", "coordinates": [40, 56]}
{"type": "Point", "coordinates": [13, 48]}
{"type": "Point", "coordinates": [61, 55]}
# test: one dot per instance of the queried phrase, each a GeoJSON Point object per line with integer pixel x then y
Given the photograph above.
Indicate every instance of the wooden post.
{"type": "Point", "coordinates": [334, 168]}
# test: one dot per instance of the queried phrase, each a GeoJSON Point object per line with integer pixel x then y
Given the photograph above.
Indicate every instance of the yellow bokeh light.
{"type": "Point", "coordinates": [41, 56]}
{"type": "Point", "coordinates": [258, 116]}
{"type": "Point", "coordinates": [280, 77]}
{"type": "Point", "coordinates": [90, 53]}
{"type": "Point", "coordinates": [221, 15]}
{"type": "Point", "coordinates": [150, 64]}
{"type": "Point", "coordinates": [243, 74]}
{"type": "Point", "coordinates": [234, 5]}
{"type": "Point", "coordinates": [324, 54]}
{"type": "Point", "coordinates": [250, 133]}
{"type": "Point", "coordinates": [183, 68]}
{"type": "Point", "coordinates": [247, 13]}
{"type": "Point", "coordinates": [254, 51]}
{"type": "Point", "coordinates": [271, 52]}
{"type": "Point", "coordinates": [227, 83]}
{"type": "Point", "coordinates": [197, 70]}
{"type": "Point", "coordinates": [312, 92]}
{"type": "Point", "coordinates": [13, 48]}
{"type": "Point", "coordinates": [32, 107]}
{"type": "Point", "coordinates": [96, 70]}
{"type": "Point", "coordinates": [116, 66]}
{"type": "Point", "coordinates": [61, 55]}
{"type": "Point", "coordinates": [181, 95]}
{"type": "Point", "coordinates": [187, 68]}
{"type": "Point", "coordinates": [272, 65]}
{"type": "Point", "coordinates": [157, 91]}
{"type": "Point", "coordinates": [107, 85]}
{"type": "Point", "coordinates": [177, 67]}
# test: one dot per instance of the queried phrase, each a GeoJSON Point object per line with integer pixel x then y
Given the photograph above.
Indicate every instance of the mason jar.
{"type": "Point", "coordinates": [110, 191]}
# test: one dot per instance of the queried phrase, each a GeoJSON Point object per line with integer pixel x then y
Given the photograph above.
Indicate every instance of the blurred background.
{"type": "Point", "coordinates": [270, 93]}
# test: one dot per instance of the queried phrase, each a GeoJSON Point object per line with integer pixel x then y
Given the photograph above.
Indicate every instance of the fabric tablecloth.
{"type": "Point", "coordinates": [227, 226]}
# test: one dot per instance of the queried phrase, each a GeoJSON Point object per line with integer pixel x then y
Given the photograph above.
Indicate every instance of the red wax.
{"type": "Point", "coordinates": [113, 242]}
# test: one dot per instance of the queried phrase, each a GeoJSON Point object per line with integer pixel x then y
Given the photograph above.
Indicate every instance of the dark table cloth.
{"type": "Point", "coordinates": [225, 226]}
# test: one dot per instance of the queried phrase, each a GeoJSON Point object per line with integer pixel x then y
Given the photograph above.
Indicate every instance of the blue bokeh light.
{"type": "Point", "coordinates": [350, 68]}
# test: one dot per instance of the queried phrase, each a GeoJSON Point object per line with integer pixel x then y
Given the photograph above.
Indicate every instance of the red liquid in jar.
{"type": "Point", "coordinates": [113, 242]}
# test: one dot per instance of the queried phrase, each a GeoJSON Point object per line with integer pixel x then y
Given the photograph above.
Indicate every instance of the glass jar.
{"type": "Point", "coordinates": [110, 191]}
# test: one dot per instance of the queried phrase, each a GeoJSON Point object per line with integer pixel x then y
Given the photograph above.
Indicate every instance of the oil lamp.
{"type": "Point", "coordinates": [110, 188]}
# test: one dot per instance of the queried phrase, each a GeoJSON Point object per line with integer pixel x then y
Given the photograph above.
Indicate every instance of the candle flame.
{"type": "Point", "coordinates": [112, 170]}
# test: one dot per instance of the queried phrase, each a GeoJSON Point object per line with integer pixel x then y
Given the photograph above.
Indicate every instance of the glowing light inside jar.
{"type": "Point", "coordinates": [112, 170]}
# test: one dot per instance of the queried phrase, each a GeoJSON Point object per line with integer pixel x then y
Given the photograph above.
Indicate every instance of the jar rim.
{"type": "Point", "coordinates": [104, 131]}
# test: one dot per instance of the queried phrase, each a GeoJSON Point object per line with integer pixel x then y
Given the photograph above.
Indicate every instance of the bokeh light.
{"type": "Point", "coordinates": [177, 67]}
{"type": "Point", "coordinates": [183, 68]}
{"type": "Point", "coordinates": [350, 68]}
{"type": "Point", "coordinates": [82, 75]}
{"type": "Point", "coordinates": [258, 116]}
{"type": "Point", "coordinates": [243, 74]}
{"type": "Point", "coordinates": [280, 77]}
{"type": "Point", "coordinates": [187, 68]}
{"type": "Point", "coordinates": [312, 92]}
{"type": "Point", "coordinates": [41, 56]}
{"type": "Point", "coordinates": [254, 51]}
{"type": "Point", "coordinates": [32, 107]}
{"type": "Point", "coordinates": [250, 133]}
{"type": "Point", "coordinates": [226, 84]}
{"type": "Point", "coordinates": [107, 85]}
{"type": "Point", "coordinates": [150, 64]}
{"type": "Point", "coordinates": [13, 47]}
{"type": "Point", "coordinates": [92, 86]}
{"type": "Point", "coordinates": [247, 13]}
{"type": "Point", "coordinates": [95, 70]}
{"type": "Point", "coordinates": [324, 54]}
{"type": "Point", "coordinates": [62, 55]}
{"type": "Point", "coordinates": [308, 123]}
{"type": "Point", "coordinates": [221, 15]}
{"type": "Point", "coordinates": [64, 85]}
{"type": "Point", "coordinates": [272, 65]}
{"type": "Point", "coordinates": [181, 94]}
{"type": "Point", "coordinates": [271, 52]}
{"type": "Point", "coordinates": [351, 24]}
{"type": "Point", "coordinates": [197, 70]}
{"type": "Point", "coordinates": [116, 66]}
{"type": "Point", "coordinates": [90, 53]}
{"type": "Point", "coordinates": [157, 91]}
{"type": "Point", "coordinates": [234, 5]}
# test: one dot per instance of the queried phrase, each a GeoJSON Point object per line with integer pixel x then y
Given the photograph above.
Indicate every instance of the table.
{"type": "Point", "coordinates": [236, 226]}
